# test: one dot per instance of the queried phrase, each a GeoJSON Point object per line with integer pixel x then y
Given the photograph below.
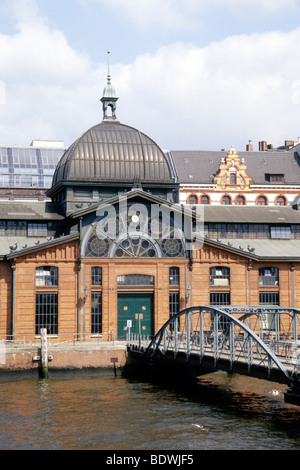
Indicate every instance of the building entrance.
{"type": "Point", "coordinates": [137, 307]}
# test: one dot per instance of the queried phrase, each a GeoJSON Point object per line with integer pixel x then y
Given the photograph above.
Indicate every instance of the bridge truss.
{"type": "Point", "coordinates": [261, 341]}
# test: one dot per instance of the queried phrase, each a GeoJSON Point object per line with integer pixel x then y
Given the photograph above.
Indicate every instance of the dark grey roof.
{"type": "Point", "coordinates": [201, 166]}
{"type": "Point", "coordinates": [111, 151]}
{"type": "Point", "coordinates": [23, 210]}
{"type": "Point", "coordinates": [25, 245]}
{"type": "Point", "coordinates": [263, 249]}
{"type": "Point", "coordinates": [249, 214]}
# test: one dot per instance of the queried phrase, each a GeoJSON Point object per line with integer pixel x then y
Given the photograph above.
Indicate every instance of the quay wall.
{"type": "Point", "coordinates": [108, 355]}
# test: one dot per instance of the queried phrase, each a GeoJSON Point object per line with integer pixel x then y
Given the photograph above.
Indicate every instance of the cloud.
{"type": "Point", "coordinates": [181, 15]}
{"type": "Point", "coordinates": [183, 96]}
{"type": "Point", "coordinates": [244, 87]}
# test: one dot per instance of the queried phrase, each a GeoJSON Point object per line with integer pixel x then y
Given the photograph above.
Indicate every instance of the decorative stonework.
{"type": "Point", "coordinates": [232, 174]}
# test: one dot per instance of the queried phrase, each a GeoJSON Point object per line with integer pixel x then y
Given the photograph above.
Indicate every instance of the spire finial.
{"type": "Point", "coordinates": [109, 98]}
{"type": "Point", "coordinates": [108, 68]}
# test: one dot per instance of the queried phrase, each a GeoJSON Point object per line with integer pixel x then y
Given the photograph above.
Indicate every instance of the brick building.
{"type": "Point", "coordinates": [111, 240]}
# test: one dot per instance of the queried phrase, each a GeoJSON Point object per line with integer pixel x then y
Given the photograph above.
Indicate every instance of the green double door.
{"type": "Point", "coordinates": [137, 307]}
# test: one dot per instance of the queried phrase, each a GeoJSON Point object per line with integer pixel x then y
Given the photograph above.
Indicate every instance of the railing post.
{"type": "Point", "coordinates": [231, 343]}
{"type": "Point", "coordinates": [216, 320]}
{"type": "Point", "coordinates": [201, 335]}
{"type": "Point", "coordinates": [188, 333]}
{"type": "Point", "coordinates": [176, 335]}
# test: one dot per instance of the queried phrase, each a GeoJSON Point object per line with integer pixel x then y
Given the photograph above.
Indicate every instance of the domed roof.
{"type": "Point", "coordinates": [111, 151]}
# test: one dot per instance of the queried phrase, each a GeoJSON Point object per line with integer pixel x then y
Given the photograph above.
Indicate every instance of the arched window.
{"type": "Point", "coordinates": [219, 276]}
{"type": "Point", "coordinates": [226, 200]}
{"type": "Point", "coordinates": [232, 178]}
{"type": "Point", "coordinates": [240, 201]}
{"type": "Point", "coordinates": [280, 201]}
{"type": "Point", "coordinates": [262, 201]}
{"type": "Point", "coordinates": [193, 199]}
{"type": "Point", "coordinates": [46, 276]}
{"type": "Point", "coordinates": [268, 276]}
{"type": "Point", "coordinates": [204, 199]}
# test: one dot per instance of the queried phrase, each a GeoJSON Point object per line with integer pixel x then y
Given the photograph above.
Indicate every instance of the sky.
{"type": "Point", "coordinates": [191, 74]}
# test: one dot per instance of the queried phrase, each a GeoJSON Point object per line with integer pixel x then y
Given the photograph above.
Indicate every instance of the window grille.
{"type": "Point", "coordinates": [96, 323]}
{"type": "Point", "coordinates": [283, 231]}
{"type": "Point", "coordinates": [174, 276]}
{"type": "Point", "coordinates": [37, 230]}
{"type": "Point", "coordinates": [174, 307]}
{"type": "Point", "coordinates": [46, 313]}
{"type": "Point", "coordinates": [96, 276]}
{"type": "Point", "coordinates": [269, 298]}
{"type": "Point", "coordinates": [220, 298]}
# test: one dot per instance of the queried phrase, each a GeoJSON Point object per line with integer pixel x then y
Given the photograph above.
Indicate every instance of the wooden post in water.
{"type": "Point", "coordinates": [44, 353]}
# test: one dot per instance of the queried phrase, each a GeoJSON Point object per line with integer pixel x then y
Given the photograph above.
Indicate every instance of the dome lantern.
{"type": "Point", "coordinates": [109, 98]}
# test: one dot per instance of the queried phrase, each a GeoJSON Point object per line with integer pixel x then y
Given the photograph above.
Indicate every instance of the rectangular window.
{"type": "Point", "coordinates": [279, 178]}
{"type": "Point", "coordinates": [46, 312]}
{"type": "Point", "coordinates": [220, 298]}
{"type": "Point", "coordinates": [173, 305]}
{"type": "Point", "coordinates": [174, 276]}
{"type": "Point", "coordinates": [269, 298]}
{"type": "Point", "coordinates": [283, 231]}
{"type": "Point", "coordinates": [96, 325]}
{"type": "Point", "coordinates": [46, 276]}
{"type": "Point", "coordinates": [219, 276]}
{"type": "Point", "coordinates": [96, 276]}
{"type": "Point", "coordinates": [37, 230]}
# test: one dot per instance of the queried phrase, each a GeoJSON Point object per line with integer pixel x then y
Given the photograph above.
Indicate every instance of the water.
{"type": "Point", "coordinates": [87, 411]}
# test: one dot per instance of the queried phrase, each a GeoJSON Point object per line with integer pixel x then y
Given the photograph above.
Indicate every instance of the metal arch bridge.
{"type": "Point", "coordinates": [259, 341]}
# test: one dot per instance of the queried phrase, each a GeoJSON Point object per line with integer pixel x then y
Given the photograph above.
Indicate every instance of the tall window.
{"type": "Point", "coordinates": [219, 276]}
{"type": "Point", "coordinates": [268, 277]}
{"type": "Point", "coordinates": [96, 320]}
{"type": "Point", "coordinates": [96, 276]}
{"type": "Point", "coordinates": [232, 178]}
{"type": "Point", "coordinates": [46, 276]}
{"type": "Point", "coordinates": [174, 276]}
{"type": "Point", "coordinates": [46, 312]}
{"type": "Point", "coordinates": [173, 305]}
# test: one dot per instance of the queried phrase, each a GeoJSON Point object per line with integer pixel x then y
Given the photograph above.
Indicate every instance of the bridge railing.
{"type": "Point", "coordinates": [257, 336]}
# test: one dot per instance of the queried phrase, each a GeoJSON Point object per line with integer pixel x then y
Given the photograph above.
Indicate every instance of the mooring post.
{"type": "Point", "coordinates": [44, 353]}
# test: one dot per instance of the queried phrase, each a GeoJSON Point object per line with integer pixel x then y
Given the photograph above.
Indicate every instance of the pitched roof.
{"type": "Point", "coordinates": [251, 214]}
{"type": "Point", "coordinates": [200, 167]}
{"type": "Point", "coordinates": [24, 210]}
